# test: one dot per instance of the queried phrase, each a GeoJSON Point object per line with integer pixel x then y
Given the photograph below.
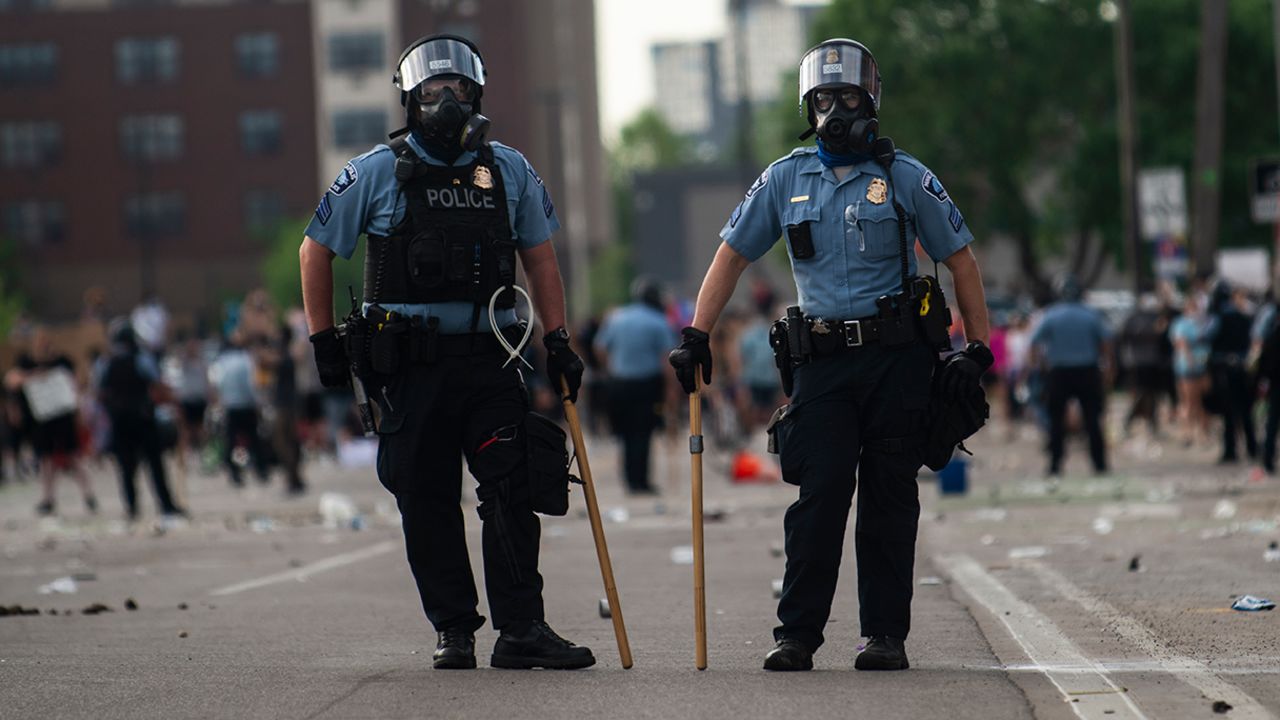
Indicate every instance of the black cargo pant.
{"type": "Point", "coordinates": [1084, 384]}
{"type": "Point", "coordinates": [433, 415]}
{"type": "Point", "coordinates": [634, 416]}
{"type": "Point", "coordinates": [1236, 393]}
{"type": "Point", "coordinates": [853, 420]}
{"type": "Point", "coordinates": [135, 439]}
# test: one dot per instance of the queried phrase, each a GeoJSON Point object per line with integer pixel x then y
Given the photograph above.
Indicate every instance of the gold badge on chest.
{"type": "Point", "coordinates": [482, 178]}
{"type": "Point", "coordinates": [877, 192]}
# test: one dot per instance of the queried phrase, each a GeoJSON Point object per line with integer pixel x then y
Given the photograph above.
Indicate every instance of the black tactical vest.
{"type": "Point", "coordinates": [455, 241]}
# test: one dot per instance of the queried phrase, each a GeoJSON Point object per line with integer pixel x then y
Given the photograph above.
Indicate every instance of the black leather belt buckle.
{"type": "Point", "coordinates": [853, 333]}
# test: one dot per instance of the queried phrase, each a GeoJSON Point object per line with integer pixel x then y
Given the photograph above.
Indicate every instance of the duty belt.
{"type": "Point", "coordinates": [832, 336]}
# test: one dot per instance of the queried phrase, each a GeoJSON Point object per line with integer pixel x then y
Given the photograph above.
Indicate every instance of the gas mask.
{"type": "Point", "coordinates": [844, 129]}
{"type": "Point", "coordinates": [447, 127]}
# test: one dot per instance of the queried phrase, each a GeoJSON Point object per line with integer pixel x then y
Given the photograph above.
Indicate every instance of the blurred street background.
{"type": "Point", "coordinates": [159, 161]}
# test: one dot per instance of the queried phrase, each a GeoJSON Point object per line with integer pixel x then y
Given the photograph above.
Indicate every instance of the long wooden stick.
{"type": "Point", "coordinates": [597, 528]}
{"type": "Point", "coordinates": [699, 566]}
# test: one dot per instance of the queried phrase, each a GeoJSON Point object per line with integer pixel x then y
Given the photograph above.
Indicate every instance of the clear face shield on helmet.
{"type": "Point", "coordinates": [840, 81]}
{"type": "Point", "coordinates": [442, 56]}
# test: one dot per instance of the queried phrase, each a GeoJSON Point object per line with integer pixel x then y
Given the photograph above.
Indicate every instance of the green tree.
{"type": "Point", "coordinates": [646, 143]}
{"type": "Point", "coordinates": [282, 276]}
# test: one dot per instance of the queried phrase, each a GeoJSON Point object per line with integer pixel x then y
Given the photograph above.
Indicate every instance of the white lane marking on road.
{"type": "Point", "coordinates": [1091, 694]}
{"type": "Point", "coordinates": [1148, 666]}
{"type": "Point", "coordinates": [1188, 670]}
{"type": "Point", "coordinates": [301, 574]}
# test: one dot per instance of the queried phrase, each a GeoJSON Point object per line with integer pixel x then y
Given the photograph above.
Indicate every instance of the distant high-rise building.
{"type": "Point", "coordinates": [146, 144]}
{"type": "Point", "coordinates": [697, 83]}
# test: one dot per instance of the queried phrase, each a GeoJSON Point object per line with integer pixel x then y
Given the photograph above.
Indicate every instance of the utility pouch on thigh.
{"type": "Point", "coordinates": [772, 428]}
{"type": "Point", "coordinates": [952, 421]}
{"type": "Point", "coordinates": [548, 465]}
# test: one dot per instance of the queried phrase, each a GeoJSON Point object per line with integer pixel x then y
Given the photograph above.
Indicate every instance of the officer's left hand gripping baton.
{"type": "Point", "coordinates": [597, 528]}
{"type": "Point", "coordinates": [699, 559]}
{"type": "Point", "coordinates": [357, 385]}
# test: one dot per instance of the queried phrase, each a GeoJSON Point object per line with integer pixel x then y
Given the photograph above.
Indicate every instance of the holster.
{"type": "Point", "coordinates": [782, 355]}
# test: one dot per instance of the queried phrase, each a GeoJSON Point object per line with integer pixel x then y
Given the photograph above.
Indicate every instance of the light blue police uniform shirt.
{"type": "Point", "coordinates": [366, 198]}
{"type": "Point", "coordinates": [855, 238]}
{"type": "Point", "coordinates": [637, 339]}
{"type": "Point", "coordinates": [1071, 335]}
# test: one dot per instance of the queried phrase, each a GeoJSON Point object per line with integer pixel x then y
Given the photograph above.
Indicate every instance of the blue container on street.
{"type": "Point", "coordinates": [953, 478]}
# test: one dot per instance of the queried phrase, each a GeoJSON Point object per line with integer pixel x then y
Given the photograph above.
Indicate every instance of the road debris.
{"type": "Point", "coordinates": [15, 610]}
{"type": "Point", "coordinates": [619, 515]}
{"type": "Point", "coordinates": [1103, 525]}
{"type": "Point", "coordinates": [1222, 707]}
{"type": "Point", "coordinates": [1225, 509]}
{"type": "Point", "coordinates": [182, 634]}
{"type": "Point", "coordinates": [777, 587]}
{"type": "Point", "coordinates": [1249, 603]}
{"type": "Point", "coordinates": [1029, 552]}
{"type": "Point", "coordinates": [776, 549]}
{"type": "Point", "coordinates": [930, 580]}
{"type": "Point", "coordinates": [95, 609]}
{"type": "Point", "coordinates": [603, 608]}
{"type": "Point", "coordinates": [337, 510]}
{"type": "Point", "coordinates": [63, 585]}
{"type": "Point", "coordinates": [682, 555]}
{"type": "Point", "coordinates": [1135, 564]}
{"type": "Point", "coordinates": [1272, 553]}
{"type": "Point", "coordinates": [130, 604]}
{"type": "Point", "coordinates": [182, 606]}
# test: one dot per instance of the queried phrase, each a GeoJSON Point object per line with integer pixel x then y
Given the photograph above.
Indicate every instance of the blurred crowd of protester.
{"type": "Point", "coordinates": [135, 390]}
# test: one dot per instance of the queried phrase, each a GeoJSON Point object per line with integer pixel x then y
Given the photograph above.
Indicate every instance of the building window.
{"type": "Point", "coordinates": [258, 54]}
{"type": "Point", "coordinates": [144, 60]}
{"type": "Point", "coordinates": [260, 132]}
{"type": "Point", "coordinates": [359, 128]}
{"type": "Point", "coordinates": [151, 137]}
{"type": "Point", "coordinates": [28, 64]}
{"type": "Point", "coordinates": [262, 210]}
{"type": "Point", "coordinates": [152, 215]}
{"type": "Point", "coordinates": [356, 52]}
{"type": "Point", "coordinates": [30, 144]}
{"type": "Point", "coordinates": [35, 223]}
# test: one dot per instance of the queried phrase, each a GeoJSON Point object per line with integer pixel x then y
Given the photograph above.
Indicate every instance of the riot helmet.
{"type": "Point", "coordinates": [840, 93]}
{"type": "Point", "coordinates": [441, 79]}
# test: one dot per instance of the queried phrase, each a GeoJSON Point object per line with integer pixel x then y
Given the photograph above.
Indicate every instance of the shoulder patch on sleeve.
{"type": "Point", "coordinates": [346, 179]}
{"type": "Point", "coordinates": [324, 211]}
{"type": "Point", "coordinates": [933, 186]}
{"type": "Point", "coordinates": [956, 219]}
{"type": "Point", "coordinates": [547, 207]}
{"type": "Point", "coordinates": [760, 182]}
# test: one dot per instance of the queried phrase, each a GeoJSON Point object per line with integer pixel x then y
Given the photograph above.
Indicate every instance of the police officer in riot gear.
{"type": "Point", "coordinates": [446, 214]}
{"type": "Point", "coordinates": [860, 350]}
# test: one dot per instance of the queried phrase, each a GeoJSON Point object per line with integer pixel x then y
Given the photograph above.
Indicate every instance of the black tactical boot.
{"type": "Point", "coordinates": [456, 650]}
{"type": "Point", "coordinates": [537, 645]}
{"type": "Point", "coordinates": [882, 653]}
{"type": "Point", "coordinates": [789, 655]}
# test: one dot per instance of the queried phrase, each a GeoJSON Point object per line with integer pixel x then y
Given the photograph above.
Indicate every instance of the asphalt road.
{"type": "Point", "coordinates": [1026, 606]}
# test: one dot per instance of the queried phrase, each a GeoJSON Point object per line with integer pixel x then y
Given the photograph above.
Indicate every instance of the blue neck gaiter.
{"type": "Point", "coordinates": [831, 159]}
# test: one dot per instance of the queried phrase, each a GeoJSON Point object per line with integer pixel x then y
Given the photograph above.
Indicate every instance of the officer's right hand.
{"type": "Point", "coordinates": [331, 358]}
{"type": "Point", "coordinates": [693, 351]}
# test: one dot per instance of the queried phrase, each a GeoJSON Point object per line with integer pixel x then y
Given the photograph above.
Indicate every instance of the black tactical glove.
{"type": "Point", "coordinates": [962, 371]}
{"type": "Point", "coordinates": [562, 361]}
{"type": "Point", "coordinates": [693, 351]}
{"type": "Point", "coordinates": [331, 358]}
